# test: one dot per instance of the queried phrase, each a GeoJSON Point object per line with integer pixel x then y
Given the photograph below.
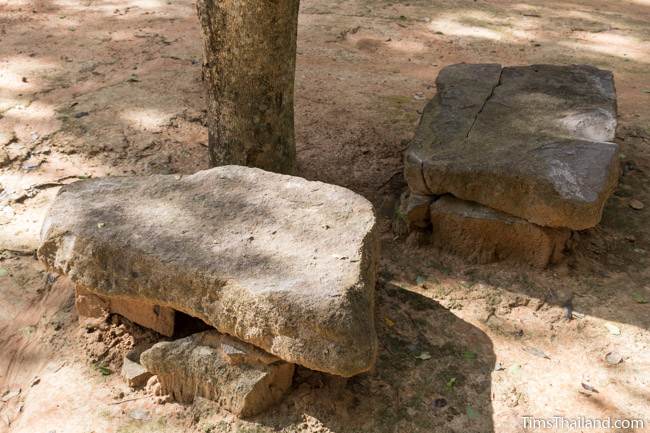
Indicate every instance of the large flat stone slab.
{"type": "Point", "coordinates": [240, 377]}
{"type": "Point", "coordinates": [277, 261]}
{"type": "Point", "coordinates": [483, 235]}
{"type": "Point", "coordinates": [531, 141]}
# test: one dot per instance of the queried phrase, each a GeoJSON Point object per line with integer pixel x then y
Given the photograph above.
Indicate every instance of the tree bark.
{"type": "Point", "coordinates": [249, 64]}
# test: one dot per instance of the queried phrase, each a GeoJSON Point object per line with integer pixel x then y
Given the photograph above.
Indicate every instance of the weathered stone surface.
{"type": "Point", "coordinates": [152, 316]}
{"type": "Point", "coordinates": [280, 262]}
{"type": "Point", "coordinates": [90, 305]}
{"type": "Point", "coordinates": [414, 209]}
{"type": "Point", "coordinates": [133, 373]}
{"type": "Point", "coordinates": [240, 377]}
{"type": "Point", "coordinates": [484, 235]}
{"type": "Point", "coordinates": [531, 141]}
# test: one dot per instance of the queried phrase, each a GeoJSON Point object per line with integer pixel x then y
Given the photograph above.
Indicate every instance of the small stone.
{"type": "Point", "coordinates": [613, 329]}
{"type": "Point", "coordinates": [636, 204]}
{"type": "Point", "coordinates": [201, 365]}
{"type": "Point", "coordinates": [140, 415]}
{"type": "Point", "coordinates": [613, 358]}
{"type": "Point", "coordinates": [439, 403]}
{"type": "Point", "coordinates": [133, 373]}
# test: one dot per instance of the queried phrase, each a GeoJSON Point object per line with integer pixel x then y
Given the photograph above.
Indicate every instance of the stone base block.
{"type": "Point", "coordinates": [241, 378]}
{"type": "Point", "coordinates": [91, 305]}
{"type": "Point", "coordinates": [483, 235]}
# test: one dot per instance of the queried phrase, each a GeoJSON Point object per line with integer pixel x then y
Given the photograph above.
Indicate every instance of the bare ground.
{"type": "Point", "coordinates": [89, 88]}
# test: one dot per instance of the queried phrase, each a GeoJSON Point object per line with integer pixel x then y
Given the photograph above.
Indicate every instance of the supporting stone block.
{"type": "Point", "coordinates": [155, 317]}
{"type": "Point", "coordinates": [483, 235]}
{"type": "Point", "coordinates": [241, 378]}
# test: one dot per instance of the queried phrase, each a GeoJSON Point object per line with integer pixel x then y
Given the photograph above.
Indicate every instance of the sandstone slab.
{"type": "Point", "coordinates": [530, 141]}
{"type": "Point", "coordinates": [240, 377]}
{"type": "Point", "coordinates": [277, 261]}
{"type": "Point", "coordinates": [483, 235]}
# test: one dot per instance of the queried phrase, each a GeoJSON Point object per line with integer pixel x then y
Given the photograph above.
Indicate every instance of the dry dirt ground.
{"type": "Point", "coordinates": [96, 87]}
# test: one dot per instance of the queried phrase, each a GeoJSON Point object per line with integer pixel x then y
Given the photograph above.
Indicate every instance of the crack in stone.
{"type": "Point", "coordinates": [478, 113]}
{"type": "Point", "coordinates": [497, 84]}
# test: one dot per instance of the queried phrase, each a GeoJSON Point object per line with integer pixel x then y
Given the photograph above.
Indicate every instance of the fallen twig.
{"type": "Point", "coordinates": [128, 399]}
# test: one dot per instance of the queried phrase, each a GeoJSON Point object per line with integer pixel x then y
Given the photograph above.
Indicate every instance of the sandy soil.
{"type": "Point", "coordinates": [94, 87]}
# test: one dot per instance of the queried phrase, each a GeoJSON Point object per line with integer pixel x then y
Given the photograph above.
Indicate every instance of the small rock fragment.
{"type": "Point", "coordinates": [140, 415]}
{"type": "Point", "coordinates": [589, 387]}
{"type": "Point", "coordinates": [636, 204]}
{"type": "Point", "coordinates": [613, 358]}
{"type": "Point", "coordinates": [133, 373]}
{"type": "Point", "coordinates": [613, 329]}
{"type": "Point", "coordinates": [414, 209]}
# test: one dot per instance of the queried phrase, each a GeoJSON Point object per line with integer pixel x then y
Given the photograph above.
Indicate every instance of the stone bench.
{"type": "Point", "coordinates": [282, 263]}
{"type": "Point", "coordinates": [531, 143]}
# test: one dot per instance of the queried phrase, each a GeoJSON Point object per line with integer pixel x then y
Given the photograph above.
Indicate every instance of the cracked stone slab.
{"type": "Point", "coordinates": [483, 235]}
{"type": "Point", "coordinates": [277, 261]}
{"type": "Point", "coordinates": [238, 376]}
{"type": "Point", "coordinates": [531, 141]}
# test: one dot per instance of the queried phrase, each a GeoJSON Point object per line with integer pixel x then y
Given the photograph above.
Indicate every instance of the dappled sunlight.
{"type": "Point", "coordinates": [110, 6]}
{"type": "Point", "coordinates": [407, 46]}
{"type": "Point", "coordinates": [147, 119]}
{"type": "Point", "coordinates": [16, 72]}
{"type": "Point", "coordinates": [453, 26]}
{"type": "Point", "coordinates": [128, 9]}
{"type": "Point", "coordinates": [8, 101]}
{"type": "Point", "coordinates": [33, 112]}
{"type": "Point", "coordinates": [611, 44]}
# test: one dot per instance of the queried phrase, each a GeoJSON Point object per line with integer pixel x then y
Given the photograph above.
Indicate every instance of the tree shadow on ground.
{"type": "Point", "coordinates": [433, 373]}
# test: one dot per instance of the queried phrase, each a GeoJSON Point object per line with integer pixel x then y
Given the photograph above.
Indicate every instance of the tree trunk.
{"type": "Point", "coordinates": [249, 64]}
